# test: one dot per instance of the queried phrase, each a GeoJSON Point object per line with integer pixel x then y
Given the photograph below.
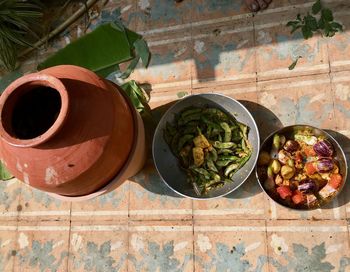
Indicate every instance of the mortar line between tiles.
{"type": "Point", "coordinates": [128, 244]}
{"type": "Point", "coordinates": [267, 247]}
{"type": "Point", "coordinates": [69, 234]}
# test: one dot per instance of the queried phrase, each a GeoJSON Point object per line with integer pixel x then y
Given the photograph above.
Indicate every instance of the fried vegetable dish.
{"type": "Point", "coordinates": [301, 172]}
{"type": "Point", "coordinates": [211, 146]}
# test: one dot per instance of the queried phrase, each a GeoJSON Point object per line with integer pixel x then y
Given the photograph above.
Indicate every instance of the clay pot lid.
{"type": "Point", "coordinates": [10, 96]}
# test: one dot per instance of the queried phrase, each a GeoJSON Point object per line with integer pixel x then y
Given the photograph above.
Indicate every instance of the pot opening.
{"type": "Point", "coordinates": [31, 111]}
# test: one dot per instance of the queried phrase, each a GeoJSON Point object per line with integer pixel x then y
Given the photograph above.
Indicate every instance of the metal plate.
{"type": "Point", "coordinates": [289, 132]}
{"type": "Point", "coordinates": [167, 164]}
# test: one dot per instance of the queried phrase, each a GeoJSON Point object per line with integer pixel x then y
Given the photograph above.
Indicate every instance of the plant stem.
{"type": "Point", "coordinates": [60, 28]}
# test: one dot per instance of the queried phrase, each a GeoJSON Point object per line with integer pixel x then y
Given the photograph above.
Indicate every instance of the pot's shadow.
{"type": "Point", "coordinates": [149, 179]}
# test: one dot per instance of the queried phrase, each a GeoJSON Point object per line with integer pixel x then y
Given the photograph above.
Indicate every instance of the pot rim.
{"type": "Point", "coordinates": [33, 80]}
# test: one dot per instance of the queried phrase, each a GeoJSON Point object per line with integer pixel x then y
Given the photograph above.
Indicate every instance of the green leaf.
{"type": "Point", "coordinates": [142, 50]}
{"type": "Point", "coordinates": [4, 173]}
{"type": "Point", "coordinates": [104, 47]}
{"type": "Point", "coordinates": [321, 23]}
{"type": "Point", "coordinates": [295, 29]}
{"type": "Point", "coordinates": [316, 8]}
{"type": "Point", "coordinates": [130, 68]}
{"type": "Point", "coordinates": [107, 71]}
{"type": "Point", "coordinates": [181, 94]}
{"type": "Point", "coordinates": [311, 22]}
{"type": "Point", "coordinates": [337, 26]}
{"type": "Point", "coordinates": [292, 23]}
{"type": "Point", "coordinates": [307, 33]}
{"type": "Point", "coordinates": [136, 94]}
{"type": "Point", "coordinates": [327, 14]}
{"type": "Point", "coordinates": [292, 66]}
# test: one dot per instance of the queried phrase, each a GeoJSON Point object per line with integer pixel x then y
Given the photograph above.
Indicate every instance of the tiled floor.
{"type": "Point", "coordinates": [197, 47]}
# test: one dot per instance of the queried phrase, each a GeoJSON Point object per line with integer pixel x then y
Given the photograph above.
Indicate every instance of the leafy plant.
{"type": "Point", "coordinates": [17, 21]}
{"type": "Point", "coordinates": [309, 24]}
{"type": "Point", "coordinates": [102, 50]}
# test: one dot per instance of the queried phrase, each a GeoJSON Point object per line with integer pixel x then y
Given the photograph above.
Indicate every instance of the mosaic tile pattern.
{"type": "Point", "coordinates": [199, 47]}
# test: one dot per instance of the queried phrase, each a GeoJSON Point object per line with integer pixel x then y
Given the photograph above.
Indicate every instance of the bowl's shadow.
{"type": "Point", "coordinates": [344, 196]}
{"type": "Point", "coordinates": [149, 179]}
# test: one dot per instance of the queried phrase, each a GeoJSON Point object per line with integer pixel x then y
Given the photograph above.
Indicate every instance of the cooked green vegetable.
{"type": "Point", "coordinates": [210, 144]}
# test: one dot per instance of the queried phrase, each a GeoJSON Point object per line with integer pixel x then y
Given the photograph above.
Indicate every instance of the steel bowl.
{"type": "Point", "coordinates": [288, 132]}
{"type": "Point", "coordinates": [167, 164]}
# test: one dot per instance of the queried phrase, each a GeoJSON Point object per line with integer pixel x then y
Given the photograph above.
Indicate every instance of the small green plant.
{"type": "Point", "coordinates": [18, 19]}
{"type": "Point", "coordinates": [320, 20]}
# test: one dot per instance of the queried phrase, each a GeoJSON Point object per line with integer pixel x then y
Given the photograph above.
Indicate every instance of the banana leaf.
{"type": "Point", "coordinates": [100, 50]}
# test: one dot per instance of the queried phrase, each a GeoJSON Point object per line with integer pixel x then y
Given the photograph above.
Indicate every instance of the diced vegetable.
{"type": "Point", "coordinates": [310, 168]}
{"type": "Point", "coordinates": [287, 172]}
{"type": "Point", "coordinates": [284, 192]}
{"type": "Point", "coordinates": [308, 139]}
{"type": "Point", "coordinates": [327, 191]}
{"type": "Point", "coordinates": [324, 165]}
{"type": "Point", "coordinates": [198, 156]}
{"type": "Point", "coordinates": [276, 166]}
{"type": "Point", "coordinates": [201, 141]}
{"type": "Point", "coordinates": [298, 197]}
{"type": "Point", "coordinates": [291, 146]}
{"type": "Point", "coordinates": [323, 148]}
{"type": "Point", "coordinates": [307, 186]}
{"type": "Point", "coordinates": [309, 151]}
{"type": "Point", "coordinates": [335, 181]}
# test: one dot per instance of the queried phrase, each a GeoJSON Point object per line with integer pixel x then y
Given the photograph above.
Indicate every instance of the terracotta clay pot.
{"type": "Point", "coordinates": [66, 131]}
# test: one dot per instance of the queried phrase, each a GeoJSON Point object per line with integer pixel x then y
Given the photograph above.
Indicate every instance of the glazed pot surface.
{"type": "Point", "coordinates": [65, 130]}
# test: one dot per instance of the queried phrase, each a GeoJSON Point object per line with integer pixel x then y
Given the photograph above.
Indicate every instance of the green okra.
{"type": "Point", "coordinates": [220, 145]}
{"type": "Point", "coordinates": [227, 129]}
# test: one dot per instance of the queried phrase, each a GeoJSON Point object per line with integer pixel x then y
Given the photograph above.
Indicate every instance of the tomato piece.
{"type": "Point", "coordinates": [298, 197]}
{"type": "Point", "coordinates": [335, 180]}
{"type": "Point", "coordinates": [310, 168]}
{"type": "Point", "coordinates": [284, 191]}
{"type": "Point", "coordinates": [309, 151]}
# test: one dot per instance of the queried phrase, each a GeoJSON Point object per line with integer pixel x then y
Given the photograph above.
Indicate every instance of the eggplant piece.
{"type": "Point", "coordinates": [327, 191]}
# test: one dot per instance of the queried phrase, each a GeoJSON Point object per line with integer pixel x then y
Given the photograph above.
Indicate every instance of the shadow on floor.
{"type": "Point", "coordinates": [266, 120]}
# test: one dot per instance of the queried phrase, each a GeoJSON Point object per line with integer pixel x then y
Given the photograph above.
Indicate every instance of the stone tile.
{"type": "Point", "coordinates": [110, 206]}
{"type": "Point", "coordinates": [170, 64]}
{"type": "Point", "coordinates": [223, 54]}
{"type": "Point", "coordinates": [152, 199]}
{"type": "Point", "coordinates": [163, 16]}
{"type": "Point", "coordinates": [161, 246]}
{"type": "Point", "coordinates": [126, 10]}
{"type": "Point", "coordinates": [247, 202]}
{"type": "Point", "coordinates": [339, 44]}
{"type": "Point", "coordinates": [333, 211]}
{"type": "Point", "coordinates": [42, 246]}
{"type": "Point", "coordinates": [276, 48]}
{"type": "Point", "coordinates": [35, 205]}
{"type": "Point", "coordinates": [299, 100]}
{"type": "Point", "coordinates": [308, 246]}
{"type": "Point", "coordinates": [8, 246]}
{"type": "Point", "coordinates": [98, 246]}
{"type": "Point", "coordinates": [204, 12]}
{"type": "Point", "coordinates": [160, 101]}
{"type": "Point", "coordinates": [341, 91]}
{"type": "Point", "coordinates": [10, 192]}
{"type": "Point", "coordinates": [230, 245]}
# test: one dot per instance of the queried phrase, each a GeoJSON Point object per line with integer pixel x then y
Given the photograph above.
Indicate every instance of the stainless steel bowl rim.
{"type": "Point", "coordinates": [255, 159]}
{"type": "Point", "coordinates": [312, 127]}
